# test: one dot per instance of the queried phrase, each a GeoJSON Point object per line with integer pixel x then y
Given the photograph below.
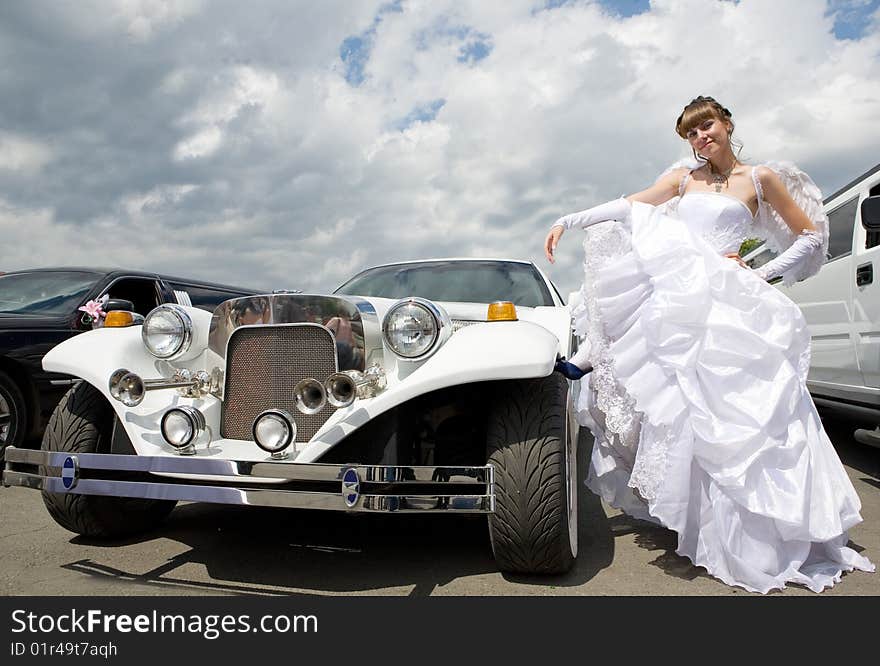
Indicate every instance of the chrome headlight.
{"type": "Point", "coordinates": [274, 430]}
{"type": "Point", "coordinates": [182, 427]}
{"type": "Point", "coordinates": [414, 326]}
{"type": "Point", "coordinates": [167, 331]}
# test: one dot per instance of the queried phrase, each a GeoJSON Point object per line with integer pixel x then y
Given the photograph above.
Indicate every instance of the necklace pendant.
{"type": "Point", "coordinates": [718, 187]}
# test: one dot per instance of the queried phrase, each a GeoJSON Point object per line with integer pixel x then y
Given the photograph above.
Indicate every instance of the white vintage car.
{"type": "Point", "coordinates": [418, 386]}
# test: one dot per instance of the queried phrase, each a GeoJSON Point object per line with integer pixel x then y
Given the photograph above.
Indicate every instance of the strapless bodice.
{"type": "Point", "coordinates": [721, 220]}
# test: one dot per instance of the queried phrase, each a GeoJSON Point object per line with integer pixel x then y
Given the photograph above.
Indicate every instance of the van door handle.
{"type": "Point", "coordinates": [865, 274]}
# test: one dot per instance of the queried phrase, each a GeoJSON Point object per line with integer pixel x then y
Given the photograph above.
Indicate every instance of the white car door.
{"type": "Point", "coordinates": [826, 301]}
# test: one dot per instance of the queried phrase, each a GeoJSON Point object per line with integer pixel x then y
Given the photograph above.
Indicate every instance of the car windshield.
{"type": "Point", "coordinates": [457, 281]}
{"type": "Point", "coordinates": [46, 293]}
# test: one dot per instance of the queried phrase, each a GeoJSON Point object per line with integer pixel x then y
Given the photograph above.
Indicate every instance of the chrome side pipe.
{"type": "Point", "coordinates": [130, 389]}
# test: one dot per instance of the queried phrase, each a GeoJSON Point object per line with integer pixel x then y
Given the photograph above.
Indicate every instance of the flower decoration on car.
{"type": "Point", "coordinates": [94, 311]}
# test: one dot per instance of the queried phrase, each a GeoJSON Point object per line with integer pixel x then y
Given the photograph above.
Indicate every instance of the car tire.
{"type": "Point", "coordinates": [13, 414]}
{"type": "Point", "coordinates": [83, 423]}
{"type": "Point", "coordinates": [530, 445]}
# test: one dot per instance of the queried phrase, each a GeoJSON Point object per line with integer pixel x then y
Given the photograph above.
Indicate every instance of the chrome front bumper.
{"type": "Point", "coordinates": [359, 488]}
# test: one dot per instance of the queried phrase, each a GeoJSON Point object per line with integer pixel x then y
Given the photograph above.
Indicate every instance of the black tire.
{"type": "Point", "coordinates": [83, 423]}
{"type": "Point", "coordinates": [13, 414]}
{"type": "Point", "coordinates": [529, 443]}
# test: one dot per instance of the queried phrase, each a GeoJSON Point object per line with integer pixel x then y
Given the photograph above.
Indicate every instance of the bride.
{"type": "Point", "coordinates": [697, 393]}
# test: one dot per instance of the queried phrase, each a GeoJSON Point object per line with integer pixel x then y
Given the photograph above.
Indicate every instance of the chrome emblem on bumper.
{"type": "Point", "coordinates": [69, 472]}
{"type": "Point", "coordinates": [351, 487]}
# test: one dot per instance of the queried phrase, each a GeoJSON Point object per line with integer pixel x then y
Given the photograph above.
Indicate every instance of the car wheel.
{"type": "Point", "coordinates": [530, 444]}
{"type": "Point", "coordinates": [83, 423]}
{"type": "Point", "coordinates": [13, 414]}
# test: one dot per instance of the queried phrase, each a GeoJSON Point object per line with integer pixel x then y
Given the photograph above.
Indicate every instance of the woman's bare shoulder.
{"type": "Point", "coordinates": [674, 175]}
{"type": "Point", "coordinates": [671, 180]}
{"type": "Point", "coordinates": [768, 178]}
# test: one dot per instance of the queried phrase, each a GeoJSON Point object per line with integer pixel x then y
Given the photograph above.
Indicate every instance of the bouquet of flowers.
{"type": "Point", "coordinates": [93, 312]}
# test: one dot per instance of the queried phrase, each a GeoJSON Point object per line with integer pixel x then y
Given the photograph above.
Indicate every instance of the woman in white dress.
{"type": "Point", "coordinates": [696, 392]}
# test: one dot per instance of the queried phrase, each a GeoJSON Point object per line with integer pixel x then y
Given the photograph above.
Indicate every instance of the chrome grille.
{"type": "Point", "coordinates": [264, 365]}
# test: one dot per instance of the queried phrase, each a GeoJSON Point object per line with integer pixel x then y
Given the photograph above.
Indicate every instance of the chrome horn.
{"type": "Point", "coordinates": [310, 396]}
{"type": "Point", "coordinates": [129, 388]}
{"type": "Point", "coordinates": [343, 387]}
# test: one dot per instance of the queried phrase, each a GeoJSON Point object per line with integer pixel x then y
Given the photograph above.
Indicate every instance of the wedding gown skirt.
{"type": "Point", "coordinates": [700, 410]}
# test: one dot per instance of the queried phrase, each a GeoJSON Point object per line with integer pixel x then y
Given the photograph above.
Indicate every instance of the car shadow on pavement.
{"type": "Point", "coordinates": [258, 550]}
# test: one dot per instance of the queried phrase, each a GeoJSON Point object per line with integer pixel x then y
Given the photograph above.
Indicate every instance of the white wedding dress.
{"type": "Point", "coordinates": [698, 399]}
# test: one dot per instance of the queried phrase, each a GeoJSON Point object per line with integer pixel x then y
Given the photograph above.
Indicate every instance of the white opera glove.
{"type": "Point", "coordinates": [610, 210]}
{"type": "Point", "coordinates": [804, 246]}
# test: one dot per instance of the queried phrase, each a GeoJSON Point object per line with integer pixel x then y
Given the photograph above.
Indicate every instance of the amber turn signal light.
{"type": "Point", "coordinates": [118, 319]}
{"type": "Point", "coordinates": [501, 311]}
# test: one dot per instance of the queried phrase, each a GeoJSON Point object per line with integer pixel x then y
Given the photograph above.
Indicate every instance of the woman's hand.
{"type": "Point", "coordinates": [735, 256]}
{"type": "Point", "coordinates": [551, 241]}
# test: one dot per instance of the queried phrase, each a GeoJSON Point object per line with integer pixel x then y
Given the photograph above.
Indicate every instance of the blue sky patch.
{"type": "Point", "coordinates": [623, 8]}
{"type": "Point", "coordinates": [476, 49]}
{"type": "Point", "coordinates": [852, 17]}
{"type": "Point", "coordinates": [423, 113]}
{"type": "Point", "coordinates": [355, 50]}
{"type": "Point", "coordinates": [626, 8]}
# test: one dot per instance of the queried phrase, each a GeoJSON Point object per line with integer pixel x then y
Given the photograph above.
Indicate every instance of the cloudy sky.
{"type": "Point", "coordinates": [286, 144]}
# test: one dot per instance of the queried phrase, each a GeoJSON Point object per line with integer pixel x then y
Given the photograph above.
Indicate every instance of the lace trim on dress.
{"type": "Point", "coordinates": [683, 183]}
{"type": "Point", "coordinates": [649, 470]}
{"type": "Point", "coordinates": [727, 238]}
{"type": "Point", "coordinates": [623, 423]}
{"type": "Point", "coordinates": [603, 242]}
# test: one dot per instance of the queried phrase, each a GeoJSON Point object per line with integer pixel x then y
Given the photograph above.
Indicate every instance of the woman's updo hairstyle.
{"type": "Point", "coordinates": [699, 110]}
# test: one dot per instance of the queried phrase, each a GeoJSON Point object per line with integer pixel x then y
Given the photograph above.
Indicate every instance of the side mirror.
{"type": "Point", "coordinates": [118, 304]}
{"type": "Point", "coordinates": [871, 213]}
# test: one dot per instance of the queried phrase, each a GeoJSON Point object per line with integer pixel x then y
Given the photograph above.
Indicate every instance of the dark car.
{"type": "Point", "coordinates": [40, 308]}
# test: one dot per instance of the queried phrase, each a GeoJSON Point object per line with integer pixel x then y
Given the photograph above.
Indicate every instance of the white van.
{"type": "Point", "coordinates": [842, 306]}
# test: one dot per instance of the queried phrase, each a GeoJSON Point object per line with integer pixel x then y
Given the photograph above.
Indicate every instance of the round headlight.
{"type": "Point", "coordinates": [167, 331]}
{"type": "Point", "coordinates": [177, 429]}
{"type": "Point", "coordinates": [274, 431]}
{"type": "Point", "coordinates": [182, 426]}
{"type": "Point", "coordinates": [412, 327]}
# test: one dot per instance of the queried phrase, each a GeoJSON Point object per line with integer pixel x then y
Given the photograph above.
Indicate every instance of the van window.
{"type": "Point", "coordinates": [841, 222]}
{"type": "Point", "coordinates": [872, 238]}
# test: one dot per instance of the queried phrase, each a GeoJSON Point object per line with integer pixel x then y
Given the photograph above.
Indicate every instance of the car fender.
{"type": "Point", "coordinates": [487, 351]}
{"type": "Point", "coordinates": [476, 353]}
{"type": "Point", "coordinates": [94, 355]}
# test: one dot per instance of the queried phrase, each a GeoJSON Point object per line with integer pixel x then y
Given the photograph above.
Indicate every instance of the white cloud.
{"type": "Point", "coordinates": [21, 154]}
{"type": "Point", "coordinates": [203, 143]}
{"type": "Point", "coordinates": [154, 202]}
{"type": "Point", "coordinates": [298, 179]}
{"type": "Point", "coordinates": [232, 91]}
{"type": "Point", "coordinates": [141, 19]}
